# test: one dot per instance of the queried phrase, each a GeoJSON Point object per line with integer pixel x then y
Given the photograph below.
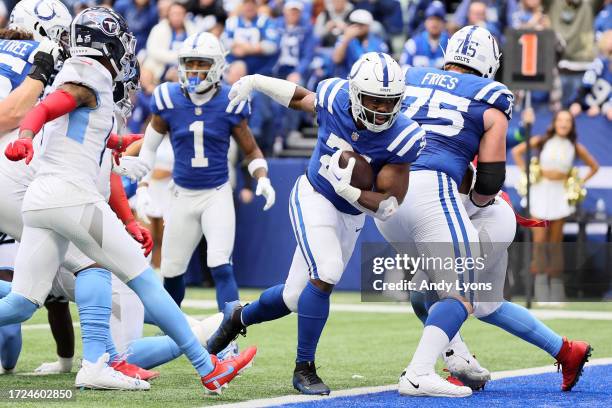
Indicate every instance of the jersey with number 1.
{"type": "Point", "coordinates": [401, 143]}
{"type": "Point", "coordinates": [199, 134]}
{"type": "Point", "coordinates": [449, 107]}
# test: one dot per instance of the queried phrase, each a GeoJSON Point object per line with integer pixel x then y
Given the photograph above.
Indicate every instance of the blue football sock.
{"type": "Point", "coordinates": [176, 288]}
{"type": "Point", "coordinates": [93, 296]}
{"type": "Point", "coordinates": [417, 300]}
{"type": "Point", "coordinates": [14, 308]}
{"type": "Point", "coordinates": [149, 352]}
{"type": "Point", "coordinates": [5, 288]}
{"type": "Point", "coordinates": [448, 315]}
{"type": "Point", "coordinates": [10, 345]}
{"type": "Point", "coordinates": [269, 306]}
{"type": "Point", "coordinates": [225, 284]}
{"type": "Point", "coordinates": [519, 321]}
{"type": "Point", "coordinates": [170, 319]}
{"type": "Point", "coordinates": [313, 310]}
{"type": "Point", "coordinates": [148, 319]}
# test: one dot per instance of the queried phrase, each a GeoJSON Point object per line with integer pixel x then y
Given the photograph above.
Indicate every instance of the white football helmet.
{"type": "Point", "coordinates": [43, 18]}
{"type": "Point", "coordinates": [474, 47]}
{"type": "Point", "coordinates": [204, 47]}
{"type": "Point", "coordinates": [378, 75]}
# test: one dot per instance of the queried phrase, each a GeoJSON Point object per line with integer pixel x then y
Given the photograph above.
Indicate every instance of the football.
{"type": "Point", "coordinates": [363, 176]}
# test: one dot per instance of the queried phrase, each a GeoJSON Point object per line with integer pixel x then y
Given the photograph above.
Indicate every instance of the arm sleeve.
{"type": "Point", "coordinates": [118, 200]}
{"type": "Point", "coordinates": [52, 107]}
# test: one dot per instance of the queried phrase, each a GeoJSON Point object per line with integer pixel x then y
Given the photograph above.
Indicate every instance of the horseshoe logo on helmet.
{"type": "Point", "coordinates": [45, 10]}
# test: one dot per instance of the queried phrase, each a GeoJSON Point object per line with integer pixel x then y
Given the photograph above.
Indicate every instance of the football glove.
{"type": "Point", "coordinates": [264, 188]}
{"type": "Point", "coordinates": [340, 178]}
{"type": "Point", "coordinates": [20, 149]}
{"type": "Point", "coordinates": [132, 167]}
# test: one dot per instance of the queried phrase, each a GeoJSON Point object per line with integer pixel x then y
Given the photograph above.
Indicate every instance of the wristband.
{"type": "Point", "coordinates": [257, 164]}
{"type": "Point", "coordinates": [42, 68]}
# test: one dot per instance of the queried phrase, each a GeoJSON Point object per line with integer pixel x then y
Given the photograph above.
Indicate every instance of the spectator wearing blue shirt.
{"type": "Point", "coordinates": [141, 16]}
{"type": "Point", "coordinates": [252, 38]}
{"type": "Point", "coordinates": [498, 13]}
{"type": "Point", "coordinates": [530, 15]}
{"type": "Point", "coordinates": [356, 41]}
{"type": "Point", "coordinates": [426, 49]}
{"type": "Point", "coordinates": [603, 21]}
{"type": "Point", "coordinates": [297, 44]}
{"type": "Point", "coordinates": [479, 15]}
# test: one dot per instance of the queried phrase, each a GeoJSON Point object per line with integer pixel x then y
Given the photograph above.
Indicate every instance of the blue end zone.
{"type": "Point", "coordinates": [542, 390]}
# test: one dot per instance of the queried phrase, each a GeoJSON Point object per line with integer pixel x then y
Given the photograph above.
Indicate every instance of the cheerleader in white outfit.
{"type": "Point", "coordinates": [558, 150]}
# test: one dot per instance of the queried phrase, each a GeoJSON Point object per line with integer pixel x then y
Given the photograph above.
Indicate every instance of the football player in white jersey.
{"type": "Point", "coordinates": [62, 205]}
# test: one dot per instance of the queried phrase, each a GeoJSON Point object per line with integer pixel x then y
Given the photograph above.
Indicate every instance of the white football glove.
{"type": "Point", "coordinates": [52, 48]}
{"type": "Point", "coordinates": [132, 167]}
{"type": "Point", "coordinates": [241, 91]}
{"type": "Point", "coordinates": [143, 202]}
{"type": "Point", "coordinates": [264, 188]}
{"type": "Point", "coordinates": [340, 178]}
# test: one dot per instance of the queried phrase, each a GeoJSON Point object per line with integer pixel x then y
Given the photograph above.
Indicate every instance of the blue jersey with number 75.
{"type": "Point", "coordinates": [199, 134]}
{"type": "Point", "coordinates": [449, 107]}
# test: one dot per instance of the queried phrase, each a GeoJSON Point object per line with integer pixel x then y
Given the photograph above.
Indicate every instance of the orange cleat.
{"type": "Point", "coordinates": [570, 360]}
{"type": "Point", "coordinates": [134, 371]}
{"type": "Point", "coordinates": [225, 371]}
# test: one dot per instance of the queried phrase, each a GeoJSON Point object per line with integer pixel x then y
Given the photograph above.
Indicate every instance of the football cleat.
{"type": "Point", "coordinates": [228, 331]}
{"type": "Point", "coordinates": [230, 351]}
{"type": "Point", "coordinates": [466, 369]}
{"type": "Point", "coordinates": [4, 371]}
{"type": "Point", "coordinates": [100, 376]}
{"type": "Point", "coordinates": [225, 371]}
{"type": "Point", "coordinates": [306, 380]}
{"type": "Point", "coordinates": [134, 371]}
{"type": "Point", "coordinates": [430, 385]}
{"type": "Point", "coordinates": [571, 359]}
{"type": "Point", "coordinates": [204, 329]}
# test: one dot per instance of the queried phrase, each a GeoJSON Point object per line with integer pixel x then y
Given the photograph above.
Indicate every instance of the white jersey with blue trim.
{"type": "Point", "coordinates": [75, 144]}
{"type": "Point", "coordinates": [401, 143]}
{"type": "Point", "coordinates": [449, 107]}
{"type": "Point", "coordinates": [199, 134]}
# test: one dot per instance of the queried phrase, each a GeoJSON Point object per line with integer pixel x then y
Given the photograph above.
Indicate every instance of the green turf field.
{"type": "Point", "coordinates": [373, 346]}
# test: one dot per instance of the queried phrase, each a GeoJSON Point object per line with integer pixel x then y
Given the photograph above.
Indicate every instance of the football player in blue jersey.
{"type": "Point", "coordinates": [32, 47]}
{"type": "Point", "coordinates": [199, 119]}
{"type": "Point", "coordinates": [362, 115]}
{"type": "Point", "coordinates": [464, 113]}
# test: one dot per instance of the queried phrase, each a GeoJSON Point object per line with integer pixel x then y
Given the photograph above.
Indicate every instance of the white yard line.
{"type": "Point", "coordinates": [544, 314]}
{"type": "Point", "coordinates": [394, 308]}
{"type": "Point", "coordinates": [290, 399]}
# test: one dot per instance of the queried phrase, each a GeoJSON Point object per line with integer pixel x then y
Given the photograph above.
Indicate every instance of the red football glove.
{"type": "Point", "coordinates": [20, 149]}
{"type": "Point", "coordinates": [120, 142]}
{"type": "Point", "coordinates": [142, 235]}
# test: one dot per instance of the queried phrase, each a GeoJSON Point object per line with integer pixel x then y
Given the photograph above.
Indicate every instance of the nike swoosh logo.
{"type": "Point", "coordinates": [229, 370]}
{"type": "Point", "coordinates": [358, 229]}
{"type": "Point", "coordinates": [415, 386]}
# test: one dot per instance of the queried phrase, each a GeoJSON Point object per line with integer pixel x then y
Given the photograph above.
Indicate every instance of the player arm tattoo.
{"type": "Point", "coordinates": [253, 154]}
{"type": "Point", "coordinates": [83, 95]}
{"type": "Point", "coordinates": [391, 188]}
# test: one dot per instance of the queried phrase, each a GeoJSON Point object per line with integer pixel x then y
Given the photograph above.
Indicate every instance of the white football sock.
{"type": "Point", "coordinates": [432, 342]}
